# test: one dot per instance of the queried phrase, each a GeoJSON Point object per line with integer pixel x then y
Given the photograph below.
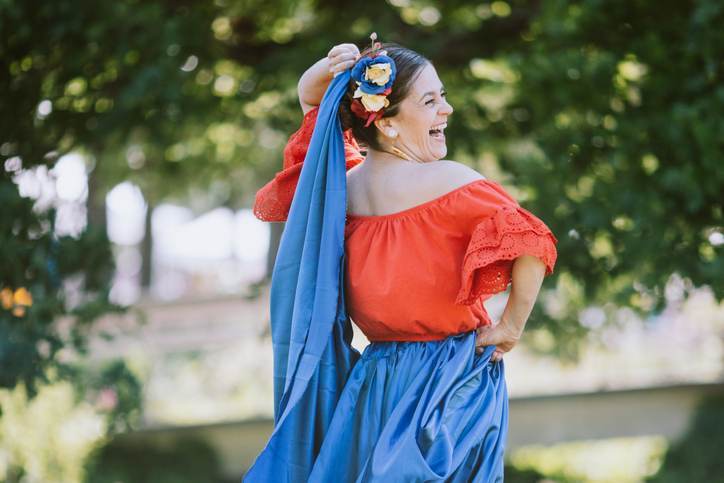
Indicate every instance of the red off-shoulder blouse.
{"type": "Point", "coordinates": [423, 273]}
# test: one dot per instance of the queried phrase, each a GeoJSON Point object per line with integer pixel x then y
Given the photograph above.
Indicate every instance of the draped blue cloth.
{"type": "Point", "coordinates": [404, 411]}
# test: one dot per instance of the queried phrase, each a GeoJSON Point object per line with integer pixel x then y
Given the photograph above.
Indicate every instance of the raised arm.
{"type": "Point", "coordinates": [315, 80]}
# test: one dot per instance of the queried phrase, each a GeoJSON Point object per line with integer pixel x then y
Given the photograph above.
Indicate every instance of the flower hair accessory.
{"type": "Point", "coordinates": [374, 75]}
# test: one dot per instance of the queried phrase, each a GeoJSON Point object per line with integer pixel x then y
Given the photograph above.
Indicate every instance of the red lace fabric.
{"type": "Point", "coordinates": [496, 241]}
{"type": "Point", "coordinates": [273, 200]}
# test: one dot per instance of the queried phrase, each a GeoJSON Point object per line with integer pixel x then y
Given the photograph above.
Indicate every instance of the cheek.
{"type": "Point", "coordinates": [421, 124]}
{"type": "Point", "coordinates": [415, 125]}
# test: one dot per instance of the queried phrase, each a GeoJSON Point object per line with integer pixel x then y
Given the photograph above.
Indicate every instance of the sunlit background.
{"type": "Point", "coordinates": [216, 252]}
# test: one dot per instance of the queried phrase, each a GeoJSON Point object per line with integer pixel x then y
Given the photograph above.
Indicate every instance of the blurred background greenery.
{"type": "Point", "coordinates": [130, 130]}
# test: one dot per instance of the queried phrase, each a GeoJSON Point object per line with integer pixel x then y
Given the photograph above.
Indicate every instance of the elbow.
{"type": "Point", "coordinates": [305, 94]}
{"type": "Point", "coordinates": [301, 92]}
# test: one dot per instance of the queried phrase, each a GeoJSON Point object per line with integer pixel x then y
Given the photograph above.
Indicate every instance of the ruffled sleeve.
{"type": "Point", "coordinates": [273, 201]}
{"type": "Point", "coordinates": [505, 233]}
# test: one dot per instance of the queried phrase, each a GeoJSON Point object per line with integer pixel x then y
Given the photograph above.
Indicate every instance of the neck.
{"type": "Point", "coordinates": [389, 156]}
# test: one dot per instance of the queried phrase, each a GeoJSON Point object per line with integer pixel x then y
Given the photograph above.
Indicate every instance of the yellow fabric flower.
{"type": "Point", "coordinates": [378, 73]}
{"type": "Point", "coordinates": [372, 102]}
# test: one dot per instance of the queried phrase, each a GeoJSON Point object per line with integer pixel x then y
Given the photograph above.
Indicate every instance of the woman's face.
{"type": "Point", "coordinates": [422, 119]}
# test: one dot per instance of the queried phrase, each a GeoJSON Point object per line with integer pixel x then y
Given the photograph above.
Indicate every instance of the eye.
{"type": "Point", "coordinates": [443, 94]}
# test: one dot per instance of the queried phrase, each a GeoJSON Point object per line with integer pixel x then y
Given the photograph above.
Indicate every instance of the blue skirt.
{"type": "Point", "coordinates": [418, 412]}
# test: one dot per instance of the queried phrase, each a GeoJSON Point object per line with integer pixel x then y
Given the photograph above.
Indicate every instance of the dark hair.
{"type": "Point", "coordinates": [409, 64]}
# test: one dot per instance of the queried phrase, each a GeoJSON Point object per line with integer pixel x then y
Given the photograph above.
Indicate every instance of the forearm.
{"type": "Point", "coordinates": [313, 83]}
{"type": "Point", "coordinates": [527, 278]}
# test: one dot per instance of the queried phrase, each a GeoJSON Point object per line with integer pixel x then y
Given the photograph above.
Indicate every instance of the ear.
{"type": "Point", "coordinates": [383, 125]}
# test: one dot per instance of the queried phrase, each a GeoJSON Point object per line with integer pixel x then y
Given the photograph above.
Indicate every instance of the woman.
{"type": "Point", "coordinates": [426, 242]}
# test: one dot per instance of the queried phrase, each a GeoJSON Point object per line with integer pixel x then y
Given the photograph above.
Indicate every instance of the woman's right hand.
{"type": "Point", "coordinates": [501, 335]}
{"type": "Point", "coordinates": [342, 57]}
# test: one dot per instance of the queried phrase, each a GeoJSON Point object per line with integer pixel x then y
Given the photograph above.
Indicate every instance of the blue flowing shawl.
{"type": "Point", "coordinates": [311, 332]}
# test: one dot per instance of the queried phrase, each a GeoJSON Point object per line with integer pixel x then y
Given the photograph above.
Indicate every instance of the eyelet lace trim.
{"type": "Point", "coordinates": [498, 240]}
{"type": "Point", "coordinates": [273, 201]}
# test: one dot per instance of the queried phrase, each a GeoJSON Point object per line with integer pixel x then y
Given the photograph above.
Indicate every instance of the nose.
{"type": "Point", "coordinates": [446, 108]}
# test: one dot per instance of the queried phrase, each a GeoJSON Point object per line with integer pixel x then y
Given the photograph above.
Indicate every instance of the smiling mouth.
{"type": "Point", "coordinates": [437, 134]}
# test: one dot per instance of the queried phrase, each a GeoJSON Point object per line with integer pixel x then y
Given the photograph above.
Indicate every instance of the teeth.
{"type": "Point", "coordinates": [438, 129]}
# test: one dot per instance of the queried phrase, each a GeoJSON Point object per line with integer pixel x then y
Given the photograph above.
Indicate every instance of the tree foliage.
{"type": "Point", "coordinates": [620, 100]}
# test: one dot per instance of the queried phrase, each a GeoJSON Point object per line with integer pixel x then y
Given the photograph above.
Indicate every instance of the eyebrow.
{"type": "Point", "coordinates": [431, 92]}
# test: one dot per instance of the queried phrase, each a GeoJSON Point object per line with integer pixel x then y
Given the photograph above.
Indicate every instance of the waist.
{"type": "Point", "coordinates": [415, 337]}
{"type": "Point", "coordinates": [418, 331]}
{"type": "Point", "coordinates": [404, 319]}
{"type": "Point", "coordinates": [378, 349]}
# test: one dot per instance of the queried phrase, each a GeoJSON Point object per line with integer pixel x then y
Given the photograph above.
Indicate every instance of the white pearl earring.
{"type": "Point", "coordinates": [392, 133]}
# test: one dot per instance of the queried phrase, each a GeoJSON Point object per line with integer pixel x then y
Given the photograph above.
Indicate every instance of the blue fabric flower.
{"type": "Point", "coordinates": [367, 85]}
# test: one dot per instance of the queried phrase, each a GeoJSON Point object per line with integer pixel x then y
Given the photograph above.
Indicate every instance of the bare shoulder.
{"type": "Point", "coordinates": [446, 175]}
{"type": "Point", "coordinates": [403, 186]}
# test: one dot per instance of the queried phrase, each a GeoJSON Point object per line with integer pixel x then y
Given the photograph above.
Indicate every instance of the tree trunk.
{"type": "Point", "coordinates": [96, 202]}
{"type": "Point", "coordinates": [147, 250]}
